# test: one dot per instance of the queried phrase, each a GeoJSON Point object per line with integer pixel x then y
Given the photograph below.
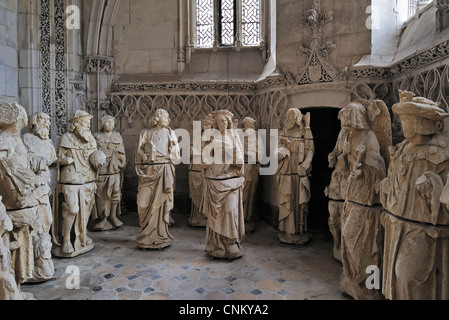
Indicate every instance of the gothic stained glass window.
{"type": "Point", "coordinates": [205, 23]}
{"type": "Point", "coordinates": [251, 22]}
{"type": "Point", "coordinates": [230, 29]}
{"type": "Point", "coordinates": [227, 22]}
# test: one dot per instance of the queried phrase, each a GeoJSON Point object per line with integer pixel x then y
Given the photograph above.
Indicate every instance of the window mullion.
{"type": "Point", "coordinates": [217, 23]}
{"type": "Point", "coordinates": [238, 23]}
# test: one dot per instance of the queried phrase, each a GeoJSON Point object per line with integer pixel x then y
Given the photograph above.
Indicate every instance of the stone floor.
{"type": "Point", "coordinates": [269, 270]}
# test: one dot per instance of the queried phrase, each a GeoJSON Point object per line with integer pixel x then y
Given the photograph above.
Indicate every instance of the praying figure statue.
{"type": "Point", "coordinates": [79, 164]}
{"type": "Point", "coordinates": [296, 151]}
{"type": "Point", "coordinates": [252, 146]}
{"type": "Point", "coordinates": [110, 181]}
{"type": "Point", "coordinates": [157, 152]}
{"type": "Point", "coordinates": [223, 193]}
{"type": "Point", "coordinates": [39, 145]}
{"type": "Point", "coordinates": [197, 180]}
{"type": "Point", "coordinates": [366, 150]}
{"type": "Point", "coordinates": [415, 196]}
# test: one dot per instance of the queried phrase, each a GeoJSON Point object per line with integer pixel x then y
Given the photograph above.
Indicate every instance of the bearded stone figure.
{"type": "Point", "coordinates": [197, 181]}
{"type": "Point", "coordinates": [39, 145]}
{"type": "Point", "coordinates": [109, 184]}
{"type": "Point", "coordinates": [17, 188]}
{"type": "Point", "coordinates": [156, 154]}
{"type": "Point", "coordinates": [79, 164]}
{"type": "Point", "coordinates": [223, 193]}
{"type": "Point", "coordinates": [295, 153]}
{"type": "Point", "coordinates": [366, 144]}
{"type": "Point", "coordinates": [415, 196]}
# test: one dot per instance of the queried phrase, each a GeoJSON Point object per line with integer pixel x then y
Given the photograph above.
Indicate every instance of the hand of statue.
{"type": "Point", "coordinates": [70, 161]}
{"type": "Point", "coordinates": [303, 169]}
{"type": "Point", "coordinates": [357, 171]}
{"type": "Point", "coordinates": [283, 153]}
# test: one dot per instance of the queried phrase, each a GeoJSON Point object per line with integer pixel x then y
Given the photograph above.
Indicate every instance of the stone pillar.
{"type": "Point", "coordinates": [442, 14]}
{"type": "Point", "coordinates": [8, 49]}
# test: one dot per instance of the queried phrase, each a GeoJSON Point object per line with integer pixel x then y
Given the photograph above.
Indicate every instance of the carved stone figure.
{"type": "Point", "coordinates": [79, 163]}
{"type": "Point", "coordinates": [42, 150]}
{"type": "Point", "coordinates": [415, 198]}
{"type": "Point", "coordinates": [9, 290]}
{"type": "Point", "coordinates": [197, 181]}
{"type": "Point", "coordinates": [252, 147]}
{"type": "Point", "coordinates": [17, 186]}
{"type": "Point", "coordinates": [157, 151]}
{"type": "Point", "coordinates": [368, 139]}
{"type": "Point", "coordinates": [336, 191]}
{"type": "Point", "coordinates": [109, 183]}
{"type": "Point", "coordinates": [223, 194]}
{"type": "Point", "coordinates": [296, 151]}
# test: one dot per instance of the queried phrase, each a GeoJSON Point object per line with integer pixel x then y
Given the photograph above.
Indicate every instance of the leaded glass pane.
{"type": "Point", "coordinates": [227, 22]}
{"type": "Point", "coordinates": [205, 23]}
{"type": "Point", "coordinates": [251, 22]}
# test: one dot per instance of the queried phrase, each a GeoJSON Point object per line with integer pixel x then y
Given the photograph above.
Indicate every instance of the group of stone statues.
{"type": "Point", "coordinates": [389, 204]}
{"type": "Point", "coordinates": [88, 172]}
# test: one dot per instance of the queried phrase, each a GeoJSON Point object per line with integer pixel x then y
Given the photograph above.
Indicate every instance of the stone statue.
{"type": "Point", "coordinates": [223, 193]}
{"type": "Point", "coordinates": [109, 184]}
{"type": "Point", "coordinates": [9, 290]}
{"type": "Point", "coordinates": [336, 191]}
{"type": "Point", "coordinates": [197, 180]}
{"type": "Point", "coordinates": [40, 147]}
{"type": "Point", "coordinates": [17, 188]}
{"type": "Point", "coordinates": [79, 163]}
{"type": "Point", "coordinates": [296, 151]}
{"type": "Point", "coordinates": [251, 146]}
{"type": "Point", "coordinates": [415, 199]}
{"type": "Point", "coordinates": [366, 149]}
{"type": "Point", "coordinates": [157, 151]}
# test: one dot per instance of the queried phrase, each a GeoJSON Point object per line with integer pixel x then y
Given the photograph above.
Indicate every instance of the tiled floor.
{"type": "Point", "coordinates": [269, 270]}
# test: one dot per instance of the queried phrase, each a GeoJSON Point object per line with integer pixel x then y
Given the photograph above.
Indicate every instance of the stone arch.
{"type": "Point", "coordinates": [101, 18]}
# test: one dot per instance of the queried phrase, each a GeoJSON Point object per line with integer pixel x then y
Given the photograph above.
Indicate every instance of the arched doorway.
{"type": "Point", "coordinates": [325, 128]}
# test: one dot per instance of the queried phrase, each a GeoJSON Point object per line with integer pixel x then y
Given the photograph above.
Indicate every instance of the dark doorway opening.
{"type": "Point", "coordinates": [325, 128]}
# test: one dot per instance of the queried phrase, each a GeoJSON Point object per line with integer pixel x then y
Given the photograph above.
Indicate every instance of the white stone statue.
{"type": "Point", "coordinates": [79, 163]}
{"type": "Point", "coordinates": [109, 183]}
{"type": "Point", "coordinates": [336, 191]}
{"type": "Point", "coordinates": [251, 146]}
{"type": "Point", "coordinates": [157, 151]}
{"type": "Point", "coordinates": [42, 153]}
{"type": "Point", "coordinates": [366, 149]}
{"type": "Point", "coordinates": [415, 199]}
{"type": "Point", "coordinates": [9, 289]}
{"type": "Point", "coordinates": [197, 181]}
{"type": "Point", "coordinates": [223, 193]}
{"type": "Point", "coordinates": [17, 188]}
{"type": "Point", "coordinates": [295, 153]}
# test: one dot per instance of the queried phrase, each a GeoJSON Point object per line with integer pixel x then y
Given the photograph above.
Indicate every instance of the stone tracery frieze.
{"type": "Point", "coordinates": [60, 64]}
